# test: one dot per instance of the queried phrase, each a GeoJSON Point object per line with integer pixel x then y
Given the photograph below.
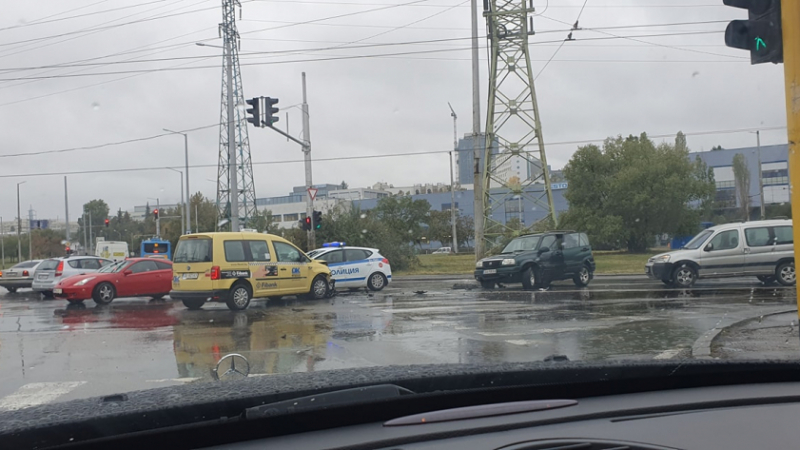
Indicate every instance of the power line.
{"type": "Point", "coordinates": [333, 58]}
{"type": "Point", "coordinates": [43, 21]}
{"type": "Point", "coordinates": [337, 158]}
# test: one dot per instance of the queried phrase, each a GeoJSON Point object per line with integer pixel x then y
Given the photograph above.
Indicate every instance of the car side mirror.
{"type": "Point", "coordinates": [709, 247]}
{"type": "Point", "coordinates": [127, 272]}
{"type": "Point", "coordinates": [544, 250]}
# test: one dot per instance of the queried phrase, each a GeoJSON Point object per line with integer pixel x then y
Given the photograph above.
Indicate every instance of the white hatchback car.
{"type": "Point", "coordinates": [355, 267]}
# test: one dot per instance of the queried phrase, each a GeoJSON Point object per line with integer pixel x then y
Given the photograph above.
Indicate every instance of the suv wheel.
{"type": "Point", "coordinates": [487, 284]}
{"type": "Point", "coordinates": [684, 276]}
{"type": "Point", "coordinates": [193, 304]}
{"type": "Point", "coordinates": [785, 273]}
{"type": "Point", "coordinates": [239, 297]}
{"type": "Point", "coordinates": [582, 278]}
{"type": "Point", "coordinates": [530, 278]}
{"type": "Point", "coordinates": [766, 279]}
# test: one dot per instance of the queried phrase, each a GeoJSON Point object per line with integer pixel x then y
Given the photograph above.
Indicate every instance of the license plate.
{"type": "Point", "coordinates": [490, 271]}
{"type": "Point", "coordinates": [57, 291]}
{"type": "Point", "coordinates": [189, 276]}
{"type": "Point", "coordinates": [42, 276]}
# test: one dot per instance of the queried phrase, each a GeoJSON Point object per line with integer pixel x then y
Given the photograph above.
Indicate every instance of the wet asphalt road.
{"type": "Point", "coordinates": [51, 352]}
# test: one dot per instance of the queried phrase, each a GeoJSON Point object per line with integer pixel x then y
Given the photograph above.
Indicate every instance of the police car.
{"type": "Point", "coordinates": [354, 267]}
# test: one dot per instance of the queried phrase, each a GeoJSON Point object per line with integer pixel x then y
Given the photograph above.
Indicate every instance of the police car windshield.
{"type": "Point", "coordinates": [522, 244]}
{"type": "Point", "coordinates": [698, 240]}
{"type": "Point", "coordinates": [314, 253]}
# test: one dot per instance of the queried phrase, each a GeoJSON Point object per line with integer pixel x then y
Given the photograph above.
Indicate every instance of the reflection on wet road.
{"type": "Point", "coordinates": [49, 351]}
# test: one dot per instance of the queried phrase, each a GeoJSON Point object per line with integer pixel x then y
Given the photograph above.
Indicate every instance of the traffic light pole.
{"type": "Point", "coordinates": [790, 18]}
{"type": "Point", "coordinates": [312, 238]}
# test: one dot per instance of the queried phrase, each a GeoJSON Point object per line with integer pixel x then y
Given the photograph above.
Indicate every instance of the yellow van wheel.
{"type": "Point", "coordinates": [239, 296]}
{"type": "Point", "coordinates": [319, 289]}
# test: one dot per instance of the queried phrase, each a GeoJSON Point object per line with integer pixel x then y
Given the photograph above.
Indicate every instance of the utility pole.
{"type": "Point", "coordinates": [312, 238]}
{"type": "Point", "coordinates": [85, 236]}
{"type": "Point", "coordinates": [66, 209]}
{"type": "Point", "coordinates": [477, 182]}
{"type": "Point", "coordinates": [233, 184]}
{"type": "Point", "coordinates": [512, 118]}
{"type": "Point", "coordinates": [236, 196]}
{"type": "Point", "coordinates": [30, 232]}
{"type": "Point", "coordinates": [790, 19]}
{"type": "Point", "coordinates": [452, 186]}
{"type": "Point", "coordinates": [760, 176]}
{"type": "Point", "coordinates": [158, 220]}
{"type": "Point", "coordinates": [91, 238]}
{"type": "Point", "coordinates": [196, 228]}
{"type": "Point", "coordinates": [3, 242]}
{"type": "Point", "coordinates": [19, 226]}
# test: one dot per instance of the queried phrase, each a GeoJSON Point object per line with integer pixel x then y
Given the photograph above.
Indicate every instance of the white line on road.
{"type": "Point", "coordinates": [33, 394]}
{"type": "Point", "coordinates": [668, 354]}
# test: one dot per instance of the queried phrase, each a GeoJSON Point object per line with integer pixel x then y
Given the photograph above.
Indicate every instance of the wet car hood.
{"type": "Point", "coordinates": [72, 279]}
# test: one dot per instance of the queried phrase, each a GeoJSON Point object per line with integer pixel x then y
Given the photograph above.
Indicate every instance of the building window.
{"type": "Point", "coordinates": [290, 217]}
{"type": "Point", "coordinates": [726, 198]}
{"type": "Point", "coordinates": [277, 218]}
{"type": "Point", "coordinates": [446, 206]}
{"type": "Point", "coordinates": [725, 184]}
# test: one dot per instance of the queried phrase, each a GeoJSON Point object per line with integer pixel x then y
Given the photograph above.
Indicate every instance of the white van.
{"type": "Point", "coordinates": [764, 249]}
{"type": "Point", "coordinates": [113, 250]}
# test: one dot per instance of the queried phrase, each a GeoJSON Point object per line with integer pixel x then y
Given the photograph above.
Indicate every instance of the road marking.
{"type": "Point", "coordinates": [33, 394]}
{"type": "Point", "coordinates": [668, 354]}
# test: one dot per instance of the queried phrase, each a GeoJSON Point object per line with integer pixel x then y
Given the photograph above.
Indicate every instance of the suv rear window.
{"type": "Point", "coordinates": [193, 251]}
{"type": "Point", "coordinates": [50, 264]}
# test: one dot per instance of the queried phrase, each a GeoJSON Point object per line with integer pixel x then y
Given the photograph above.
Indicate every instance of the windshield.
{"type": "Point", "coordinates": [698, 240]}
{"type": "Point", "coordinates": [114, 267]}
{"type": "Point", "coordinates": [529, 196]}
{"type": "Point", "coordinates": [193, 251]}
{"type": "Point", "coordinates": [521, 244]}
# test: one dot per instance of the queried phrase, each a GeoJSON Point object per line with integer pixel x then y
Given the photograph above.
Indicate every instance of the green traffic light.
{"type": "Point", "coordinates": [760, 43]}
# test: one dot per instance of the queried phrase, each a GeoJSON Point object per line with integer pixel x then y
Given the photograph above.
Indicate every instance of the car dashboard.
{"type": "Point", "coordinates": [728, 417]}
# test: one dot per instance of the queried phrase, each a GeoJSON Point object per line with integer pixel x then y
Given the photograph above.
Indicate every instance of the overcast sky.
{"type": "Point", "coordinates": [378, 105]}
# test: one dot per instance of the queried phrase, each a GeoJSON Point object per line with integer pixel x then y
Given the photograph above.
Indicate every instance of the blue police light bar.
{"type": "Point", "coordinates": [333, 244]}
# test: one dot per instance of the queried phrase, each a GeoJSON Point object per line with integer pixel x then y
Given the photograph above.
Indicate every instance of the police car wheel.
{"type": "Point", "coordinates": [376, 281]}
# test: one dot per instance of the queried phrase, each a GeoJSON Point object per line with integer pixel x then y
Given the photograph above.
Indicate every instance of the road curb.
{"type": "Point", "coordinates": [701, 349]}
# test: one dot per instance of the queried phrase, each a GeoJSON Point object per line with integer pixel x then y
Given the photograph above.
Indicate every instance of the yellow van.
{"type": "Point", "coordinates": [236, 267]}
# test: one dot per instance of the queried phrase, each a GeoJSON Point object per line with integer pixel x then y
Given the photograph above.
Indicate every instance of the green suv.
{"type": "Point", "coordinates": [536, 260]}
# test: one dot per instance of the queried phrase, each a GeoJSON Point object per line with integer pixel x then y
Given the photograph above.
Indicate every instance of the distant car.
{"type": "Point", "coordinates": [53, 270]}
{"type": "Point", "coordinates": [355, 267]}
{"type": "Point", "coordinates": [134, 277]}
{"type": "Point", "coordinates": [443, 251]}
{"type": "Point", "coordinates": [538, 259]}
{"type": "Point", "coordinates": [19, 276]}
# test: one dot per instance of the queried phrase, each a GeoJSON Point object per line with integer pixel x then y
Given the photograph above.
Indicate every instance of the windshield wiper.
{"type": "Point", "coordinates": [344, 397]}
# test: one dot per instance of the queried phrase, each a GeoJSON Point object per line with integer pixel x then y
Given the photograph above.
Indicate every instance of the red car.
{"type": "Point", "coordinates": [134, 277]}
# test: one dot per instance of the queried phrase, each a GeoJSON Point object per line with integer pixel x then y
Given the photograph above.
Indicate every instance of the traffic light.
{"type": "Point", "coordinates": [305, 224]}
{"type": "Point", "coordinates": [317, 220]}
{"type": "Point", "coordinates": [255, 102]}
{"type": "Point", "coordinates": [106, 222]}
{"type": "Point", "coordinates": [761, 33]}
{"type": "Point", "coordinates": [155, 213]}
{"type": "Point", "coordinates": [270, 110]}
{"type": "Point", "coordinates": [67, 250]}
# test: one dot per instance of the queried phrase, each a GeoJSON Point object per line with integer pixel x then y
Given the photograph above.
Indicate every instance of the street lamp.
{"type": "Point", "coordinates": [188, 224]}
{"type": "Point", "coordinates": [19, 225]}
{"type": "Point", "coordinates": [185, 208]}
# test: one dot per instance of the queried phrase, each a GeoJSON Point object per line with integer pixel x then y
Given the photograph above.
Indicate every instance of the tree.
{"type": "Point", "coordinates": [98, 211]}
{"type": "Point", "coordinates": [403, 214]}
{"type": "Point", "coordinates": [343, 185]}
{"type": "Point", "coordinates": [741, 177]}
{"type": "Point", "coordinates": [439, 227]}
{"type": "Point", "coordinates": [716, 148]}
{"type": "Point", "coordinates": [263, 222]}
{"type": "Point", "coordinates": [631, 189]}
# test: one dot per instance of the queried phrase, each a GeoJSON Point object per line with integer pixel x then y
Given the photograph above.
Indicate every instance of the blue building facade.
{"type": "Point", "coordinates": [774, 173]}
